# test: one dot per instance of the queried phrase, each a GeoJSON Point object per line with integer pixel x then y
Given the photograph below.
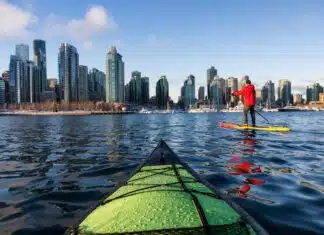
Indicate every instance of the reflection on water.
{"type": "Point", "coordinates": [52, 169]}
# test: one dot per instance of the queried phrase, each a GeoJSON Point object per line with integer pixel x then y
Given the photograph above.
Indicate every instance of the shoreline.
{"type": "Point", "coordinates": [61, 113]}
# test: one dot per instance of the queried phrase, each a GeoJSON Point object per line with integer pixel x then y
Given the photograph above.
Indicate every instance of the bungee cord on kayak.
{"type": "Point", "coordinates": [166, 198]}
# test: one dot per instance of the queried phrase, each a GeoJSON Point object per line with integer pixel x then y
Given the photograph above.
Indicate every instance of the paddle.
{"type": "Point", "coordinates": [263, 117]}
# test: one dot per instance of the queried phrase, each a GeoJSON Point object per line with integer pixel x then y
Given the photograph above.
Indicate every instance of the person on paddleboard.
{"type": "Point", "coordinates": [248, 92]}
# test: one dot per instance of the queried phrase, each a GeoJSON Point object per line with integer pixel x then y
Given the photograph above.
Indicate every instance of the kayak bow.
{"type": "Point", "coordinates": [165, 196]}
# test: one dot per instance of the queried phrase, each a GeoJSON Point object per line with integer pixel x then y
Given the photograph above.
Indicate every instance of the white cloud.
{"type": "Point", "coordinates": [88, 44]}
{"type": "Point", "coordinates": [14, 21]}
{"type": "Point", "coordinates": [96, 20]}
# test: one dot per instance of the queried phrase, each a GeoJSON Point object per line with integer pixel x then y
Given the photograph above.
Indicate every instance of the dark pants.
{"type": "Point", "coordinates": [248, 108]}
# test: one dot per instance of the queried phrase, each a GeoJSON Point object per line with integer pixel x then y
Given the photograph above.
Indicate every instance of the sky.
{"type": "Point", "coordinates": [267, 40]}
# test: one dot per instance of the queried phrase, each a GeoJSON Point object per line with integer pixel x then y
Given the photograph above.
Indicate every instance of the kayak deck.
{"type": "Point", "coordinates": [249, 127]}
{"type": "Point", "coordinates": [164, 196]}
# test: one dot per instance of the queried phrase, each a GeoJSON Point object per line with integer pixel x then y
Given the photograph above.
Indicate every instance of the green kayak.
{"type": "Point", "coordinates": [165, 196]}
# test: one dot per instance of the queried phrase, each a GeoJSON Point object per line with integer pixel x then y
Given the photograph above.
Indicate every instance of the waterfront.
{"type": "Point", "coordinates": [53, 168]}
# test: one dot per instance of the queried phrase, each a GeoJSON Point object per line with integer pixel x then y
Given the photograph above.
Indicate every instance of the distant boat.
{"type": "Point", "coordinates": [144, 111]}
{"type": "Point", "coordinates": [270, 110]}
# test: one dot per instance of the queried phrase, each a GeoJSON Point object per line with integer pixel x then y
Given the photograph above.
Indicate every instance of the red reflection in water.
{"type": "Point", "coordinates": [242, 167]}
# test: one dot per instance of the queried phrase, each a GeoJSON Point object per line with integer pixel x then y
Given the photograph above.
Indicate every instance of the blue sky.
{"type": "Point", "coordinates": [278, 39]}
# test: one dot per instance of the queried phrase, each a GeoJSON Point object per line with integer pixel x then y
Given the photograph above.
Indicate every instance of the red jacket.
{"type": "Point", "coordinates": [248, 93]}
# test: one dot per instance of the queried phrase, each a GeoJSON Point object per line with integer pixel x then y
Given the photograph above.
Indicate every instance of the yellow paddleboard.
{"type": "Point", "coordinates": [249, 127]}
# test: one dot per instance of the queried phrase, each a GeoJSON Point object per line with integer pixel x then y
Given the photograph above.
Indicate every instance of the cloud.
{"type": "Point", "coordinates": [14, 22]}
{"type": "Point", "coordinates": [153, 40]}
{"type": "Point", "coordinates": [96, 20]}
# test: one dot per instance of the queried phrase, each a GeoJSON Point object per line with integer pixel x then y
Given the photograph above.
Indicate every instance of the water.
{"type": "Point", "coordinates": [53, 168]}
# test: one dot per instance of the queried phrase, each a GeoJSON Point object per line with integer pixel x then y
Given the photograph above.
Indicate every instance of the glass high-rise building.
{"type": "Point", "coordinates": [189, 91]}
{"type": "Point", "coordinates": [284, 92]}
{"type": "Point", "coordinates": [217, 93]}
{"type": "Point", "coordinates": [232, 84]}
{"type": "Point", "coordinates": [83, 83]}
{"type": "Point", "coordinates": [317, 89]}
{"type": "Point", "coordinates": [22, 78]}
{"type": "Point", "coordinates": [22, 51]}
{"type": "Point", "coordinates": [162, 93]}
{"type": "Point", "coordinates": [2, 91]}
{"type": "Point", "coordinates": [96, 85]}
{"type": "Point", "coordinates": [201, 93]}
{"type": "Point", "coordinates": [138, 90]}
{"type": "Point", "coordinates": [145, 90]}
{"type": "Point", "coordinates": [271, 92]}
{"type": "Point", "coordinates": [127, 92]}
{"type": "Point", "coordinates": [15, 78]}
{"type": "Point", "coordinates": [35, 84]}
{"type": "Point", "coordinates": [115, 82]}
{"type": "Point", "coordinates": [26, 82]}
{"type": "Point", "coordinates": [309, 94]}
{"type": "Point", "coordinates": [68, 68]}
{"type": "Point", "coordinates": [40, 61]}
{"type": "Point", "coordinates": [268, 94]}
{"type": "Point", "coordinates": [211, 74]}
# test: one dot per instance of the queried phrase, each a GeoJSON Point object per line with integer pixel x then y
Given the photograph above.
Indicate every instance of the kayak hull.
{"type": "Point", "coordinates": [165, 196]}
{"type": "Point", "coordinates": [249, 127]}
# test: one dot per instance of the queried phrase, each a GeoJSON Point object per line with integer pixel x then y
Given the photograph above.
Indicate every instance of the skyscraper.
{"type": "Point", "coordinates": [271, 92]}
{"type": "Point", "coordinates": [241, 83]}
{"type": "Point", "coordinates": [35, 87]}
{"type": "Point", "coordinates": [284, 92]}
{"type": "Point", "coordinates": [189, 91]}
{"type": "Point", "coordinates": [96, 85]}
{"type": "Point", "coordinates": [145, 90]}
{"type": "Point", "coordinates": [316, 90]}
{"type": "Point", "coordinates": [22, 51]}
{"type": "Point", "coordinates": [68, 65]}
{"type": "Point", "coordinates": [232, 83]}
{"type": "Point", "coordinates": [264, 95]}
{"type": "Point", "coordinates": [217, 93]}
{"type": "Point", "coordinates": [114, 77]}
{"type": "Point", "coordinates": [15, 78]}
{"type": "Point", "coordinates": [2, 91]}
{"type": "Point", "coordinates": [309, 94]}
{"type": "Point", "coordinates": [136, 88]}
{"type": "Point", "coordinates": [201, 93]}
{"type": "Point", "coordinates": [211, 73]}
{"type": "Point", "coordinates": [83, 83]}
{"type": "Point", "coordinates": [27, 82]}
{"type": "Point", "coordinates": [258, 96]}
{"type": "Point", "coordinates": [127, 91]}
{"type": "Point", "coordinates": [162, 92]}
{"type": "Point", "coordinates": [40, 61]}
{"type": "Point", "coordinates": [5, 77]}
{"type": "Point", "coordinates": [268, 94]}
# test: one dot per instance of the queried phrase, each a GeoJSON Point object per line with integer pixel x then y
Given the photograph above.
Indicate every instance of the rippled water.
{"type": "Point", "coordinates": [53, 168]}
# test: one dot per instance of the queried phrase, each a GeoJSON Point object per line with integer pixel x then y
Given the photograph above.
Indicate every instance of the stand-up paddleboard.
{"type": "Point", "coordinates": [249, 127]}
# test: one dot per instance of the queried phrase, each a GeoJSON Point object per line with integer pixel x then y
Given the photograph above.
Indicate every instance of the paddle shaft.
{"type": "Point", "coordinates": [262, 116]}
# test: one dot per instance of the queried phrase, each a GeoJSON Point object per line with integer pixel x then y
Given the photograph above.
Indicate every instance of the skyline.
{"type": "Point", "coordinates": [267, 41]}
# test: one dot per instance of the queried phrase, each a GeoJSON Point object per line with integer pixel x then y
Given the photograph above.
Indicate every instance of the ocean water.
{"type": "Point", "coordinates": [53, 168]}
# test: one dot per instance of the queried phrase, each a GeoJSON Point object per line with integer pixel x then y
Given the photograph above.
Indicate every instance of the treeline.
{"type": "Point", "coordinates": [56, 107]}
